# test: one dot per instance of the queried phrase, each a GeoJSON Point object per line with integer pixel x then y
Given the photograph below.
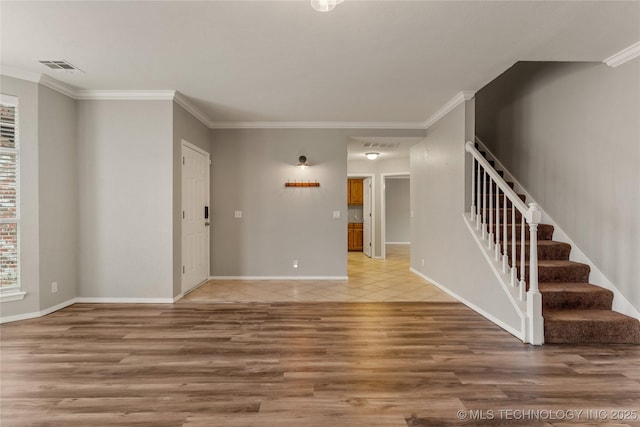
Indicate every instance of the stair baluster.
{"type": "Point", "coordinates": [522, 285]}
{"type": "Point", "coordinates": [484, 204]}
{"type": "Point", "coordinates": [514, 273]}
{"type": "Point", "coordinates": [478, 196]}
{"type": "Point", "coordinates": [473, 212]}
{"type": "Point", "coordinates": [490, 245]}
{"type": "Point", "coordinates": [497, 251]}
{"type": "Point", "coordinates": [505, 257]}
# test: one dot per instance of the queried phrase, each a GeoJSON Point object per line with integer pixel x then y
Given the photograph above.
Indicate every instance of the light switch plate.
{"type": "Point", "coordinates": [238, 214]}
{"type": "Point", "coordinates": [336, 214]}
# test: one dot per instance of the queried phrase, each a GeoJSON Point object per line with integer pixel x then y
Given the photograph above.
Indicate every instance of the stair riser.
{"type": "Point", "coordinates": [501, 173]}
{"type": "Point", "coordinates": [545, 252]}
{"type": "Point", "coordinates": [488, 200]}
{"type": "Point", "coordinates": [577, 300]}
{"type": "Point", "coordinates": [564, 332]}
{"type": "Point", "coordinates": [493, 186]}
{"type": "Point", "coordinates": [573, 273]}
{"type": "Point", "coordinates": [501, 212]}
{"type": "Point", "coordinates": [545, 232]}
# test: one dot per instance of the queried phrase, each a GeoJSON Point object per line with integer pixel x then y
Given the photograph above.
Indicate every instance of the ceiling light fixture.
{"type": "Point", "coordinates": [325, 5]}
{"type": "Point", "coordinates": [372, 156]}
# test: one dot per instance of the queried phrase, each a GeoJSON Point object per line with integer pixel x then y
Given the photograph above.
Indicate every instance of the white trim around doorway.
{"type": "Point", "coordinates": [383, 208]}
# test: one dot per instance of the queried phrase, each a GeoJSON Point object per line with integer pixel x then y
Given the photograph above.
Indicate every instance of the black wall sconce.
{"type": "Point", "coordinates": [302, 162]}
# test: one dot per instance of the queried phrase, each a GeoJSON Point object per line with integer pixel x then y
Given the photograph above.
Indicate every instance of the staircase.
{"type": "Point", "coordinates": [574, 310]}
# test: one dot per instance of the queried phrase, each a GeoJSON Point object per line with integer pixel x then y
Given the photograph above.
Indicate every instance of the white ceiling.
{"type": "Point", "coordinates": [281, 61]}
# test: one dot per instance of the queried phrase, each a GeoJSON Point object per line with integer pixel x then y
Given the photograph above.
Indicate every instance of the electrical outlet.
{"type": "Point", "coordinates": [295, 263]}
{"type": "Point", "coordinates": [54, 287]}
{"type": "Point", "coordinates": [238, 214]}
{"type": "Point", "coordinates": [336, 214]}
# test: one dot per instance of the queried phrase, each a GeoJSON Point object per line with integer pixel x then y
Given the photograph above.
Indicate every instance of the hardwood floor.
{"type": "Point", "coordinates": [303, 364]}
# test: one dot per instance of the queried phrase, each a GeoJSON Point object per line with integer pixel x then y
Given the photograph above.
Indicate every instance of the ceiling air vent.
{"type": "Point", "coordinates": [381, 145]}
{"type": "Point", "coordinates": [59, 65]}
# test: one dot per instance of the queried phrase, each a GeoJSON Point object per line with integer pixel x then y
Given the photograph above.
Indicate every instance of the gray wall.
{"type": "Point", "coordinates": [439, 235]}
{"type": "Point", "coordinates": [250, 168]}
{"type": "Point", "coordinates": [187, 127]}
{"type": "Point", "coordinates": [58, 189]}
{"type": "Point", "coordinates": [377, 168]}
{"type": "Point", "coordinates": [397, 207]}
{"type": "Point", "coordinates": [570, 133]}
{"type": "Point", "coordinates": [125, 156]}
{"type": "Point", "coordinates": [27, 93]}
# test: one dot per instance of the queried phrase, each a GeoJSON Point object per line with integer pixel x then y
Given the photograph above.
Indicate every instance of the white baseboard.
{"type": "Point", "coordinates": [516, 333]}
{"type": "Point", "coordinates": [278, 278]}
{"type": "Point", "coordinates": [35, 314]}
{"type": "Point", "coordinates": [86, 300]}
{"type": "Point", "coordinates": [115, 300]}
{"type": "Point", "coordinates": [397, 243]}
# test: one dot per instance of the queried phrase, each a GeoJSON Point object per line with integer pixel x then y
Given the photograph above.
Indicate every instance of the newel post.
{"type": "Point", "coordinates": [534, 298]}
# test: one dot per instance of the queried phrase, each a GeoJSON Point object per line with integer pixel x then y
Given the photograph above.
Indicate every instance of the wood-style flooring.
{"type": "Point", "coordinates": [303, 364]}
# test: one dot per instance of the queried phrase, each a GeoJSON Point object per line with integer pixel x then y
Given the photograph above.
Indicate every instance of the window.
{"type": "Point", "coordinates": [9, 201]}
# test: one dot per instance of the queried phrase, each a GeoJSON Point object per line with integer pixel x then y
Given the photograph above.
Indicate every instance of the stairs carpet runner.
{"type": "Point", "coordinates": [574, 310]}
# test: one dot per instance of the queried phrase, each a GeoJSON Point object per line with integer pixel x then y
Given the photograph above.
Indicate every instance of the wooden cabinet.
{"type": "Point", "coordinates": [354, 237]}
{"type": "Point", "coordinates": [355, 191]}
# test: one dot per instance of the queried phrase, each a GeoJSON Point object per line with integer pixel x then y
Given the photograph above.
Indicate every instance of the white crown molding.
{"type": "Point", "coordinates": [17, 73]}
{"type": "Point", "coordinates": [625, 55]}
{"type": "Point", "coordinates": [465, 95]}
{"type": "Point", "coordinates": [182, 101]}
{"type": "Point", "coordinates": [126, 95]}
{"type": "Point", "coordinates": [173, 95]}
{"type": "Point", "coordinates": [58, 86]}
{"type": "Point", "coordinates": [317, 125]}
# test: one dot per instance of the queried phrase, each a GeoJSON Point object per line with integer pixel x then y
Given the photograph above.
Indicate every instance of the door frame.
{"type": "Point", "coordinates": [383, 207]}
{"type": "Point", "coordinates": [373, 208]}
{"type": "Point", "coordinates": [183, 145]}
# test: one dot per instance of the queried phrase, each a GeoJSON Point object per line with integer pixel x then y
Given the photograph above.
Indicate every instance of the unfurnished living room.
{"type": "Point", "coordinates": [320, 213]}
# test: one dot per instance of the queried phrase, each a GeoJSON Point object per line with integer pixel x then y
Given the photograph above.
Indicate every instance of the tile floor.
{"type": "Point", "coordinates": [370, 280]}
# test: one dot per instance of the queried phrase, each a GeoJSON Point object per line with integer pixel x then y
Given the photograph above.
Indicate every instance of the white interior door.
{"type": "Point", "coordinates": [366, 213]}
{"type": "Point", "coordinates": [195, 216]}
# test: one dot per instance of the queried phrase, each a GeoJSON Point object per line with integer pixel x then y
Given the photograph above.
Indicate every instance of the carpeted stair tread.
{"type": "Point", "coordinates": [572, 295]}
{"type": "Point", "coordinates": [560, 271]}
{"type": "Point", "coordinates": [590, 326]}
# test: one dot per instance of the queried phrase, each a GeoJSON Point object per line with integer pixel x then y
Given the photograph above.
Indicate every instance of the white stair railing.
{"type": "Point", "coordinates": [484, 180]}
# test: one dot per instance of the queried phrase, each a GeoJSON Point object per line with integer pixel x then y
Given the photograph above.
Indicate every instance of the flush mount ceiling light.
{"type": "Point", "coordinates": [302, 162]}
{"type": "Point", "coordinates": [325, 5]}
{"type": "Point", "coordinates": [372, 156]}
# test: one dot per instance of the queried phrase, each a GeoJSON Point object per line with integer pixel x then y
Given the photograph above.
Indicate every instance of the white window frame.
{"type": "Point", "coordinates": [15, 292]}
